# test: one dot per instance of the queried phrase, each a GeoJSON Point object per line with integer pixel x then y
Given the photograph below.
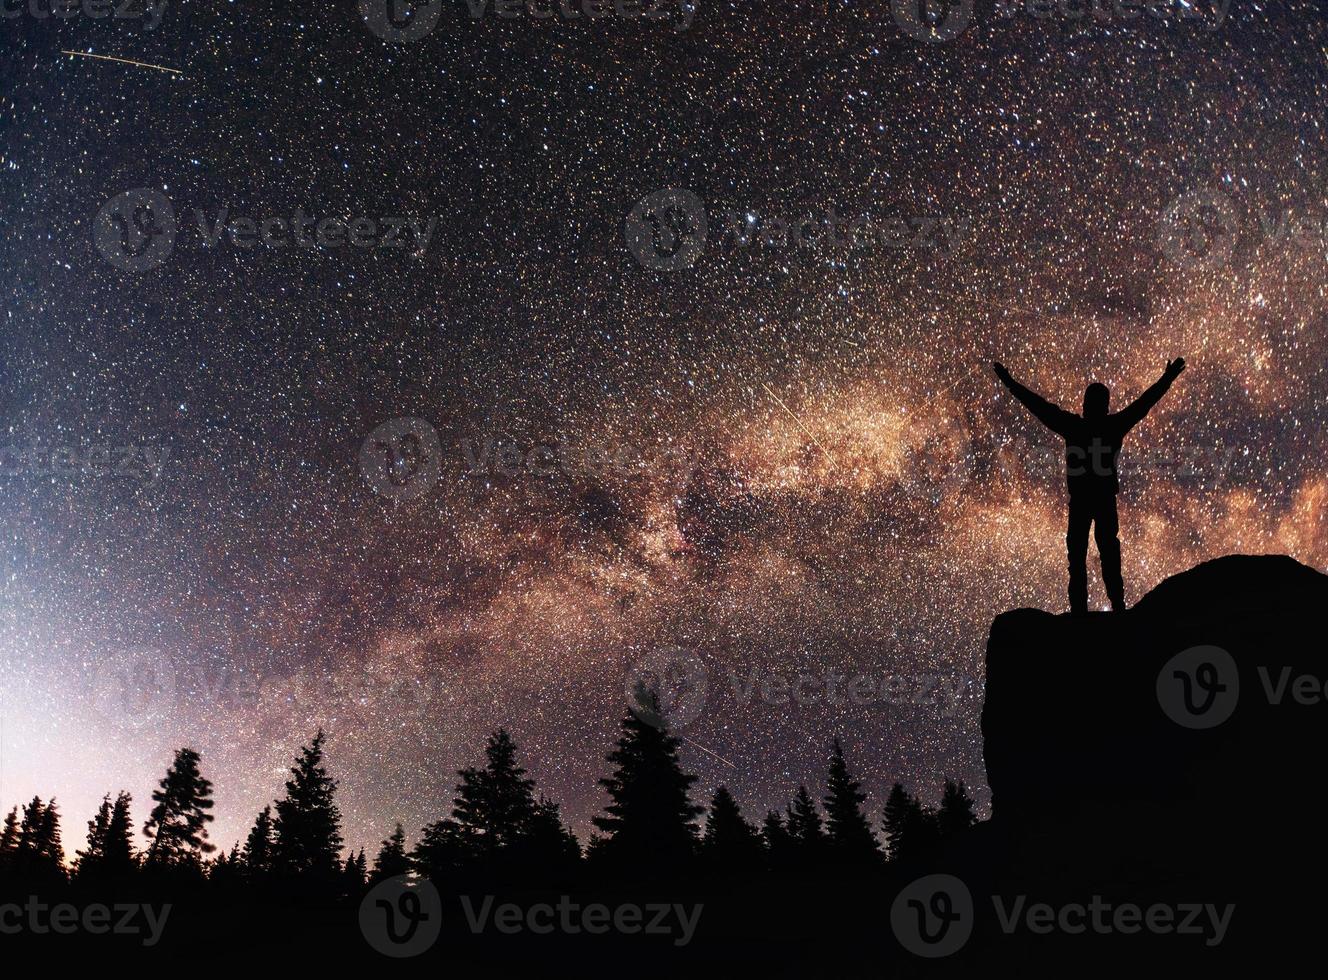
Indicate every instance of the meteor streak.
{"type": "Point", "coordinates": [123, 61]}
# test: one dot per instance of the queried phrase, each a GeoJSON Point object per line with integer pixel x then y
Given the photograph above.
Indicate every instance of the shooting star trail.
{"type": "Point", "coordinates": [706, 750]}
{"type": "Point", "coordinates": [123, 61]}
{"type": "Point", "coordinates": [771, 392]}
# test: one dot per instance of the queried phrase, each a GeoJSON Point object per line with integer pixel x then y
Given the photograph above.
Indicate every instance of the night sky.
{"type": "Point", "coordinates": [787, 456]}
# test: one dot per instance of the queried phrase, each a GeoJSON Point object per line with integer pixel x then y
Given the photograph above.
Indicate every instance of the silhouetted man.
{"type": "Point", "coordinates": [1091, 444]}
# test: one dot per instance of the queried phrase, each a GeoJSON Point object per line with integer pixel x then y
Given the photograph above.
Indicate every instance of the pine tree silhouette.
{"type": "Point", "coordinates": [256, 857]}
{"type": "Point", "coordinates": [806, 835]}
{"type": "Point", "coordinates": [650, 824]}
{"type": "Point", "coordinates": [38, 855]}
{"type": "Point", "coordinates": [29, 836]}
{"type": "Point", "coordinates": [109, 854]}
{"type": "Point", "coordinates": [9, 839]}
{"type": "Point", "coordinates": [957, 809]}
{"type": "Point", "coordinates": [88, 861]}
{"type": "Point", "coordinates": [443, 850]}
{"type": "Point", "coordinates": [547, 850]}
{"type": "Point", "coordinates": [119, 859]}
{"type": "Point", "coordinates": [778, 843]}
{"type": "Point", "coordinates": [851, 842]}
{"type": "Point", "coordinates": [910, 828]}
{"type": "Point", "coordinates": [353, 875]}
{"type": "Point", "coordinates": [495, 804]}
{"type": "Point", "coordinates": [391, 860]}
{"type": "Point", "coordinates": [50, 853]}
{"type": "Point", "coordinates": [307, 829]}
{"type": "Point", "coordinates": [178, 823]}
{"type": "Point", "coordinates": [730, 844]}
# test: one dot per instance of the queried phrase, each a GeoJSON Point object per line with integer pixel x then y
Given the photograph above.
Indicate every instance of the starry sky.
{"type": "Point", "coordinates": [784, 459]}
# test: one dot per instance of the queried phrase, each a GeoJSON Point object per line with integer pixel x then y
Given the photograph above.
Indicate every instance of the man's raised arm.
{"type": "Point", "coordinates": [1054, 417]}
{"type": "Point", "coordinates": [1132, 414]}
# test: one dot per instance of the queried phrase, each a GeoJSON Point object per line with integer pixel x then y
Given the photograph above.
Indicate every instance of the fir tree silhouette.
{"type": "Point", "coordinates": [910, 828]}
{"type": "Point", "coordinates": [957, 809]}
{"type": "Point", "coordinates": [730, 844]}
{"type": "Point", "coordinates": [778, 843]}
{"type": "Point", "coordinates": [391, 860]}
{"type": "Point", "coordinates": [805, 830]}
{"type": "Point", "coordinates": [443, 850]}
{"type": "Point", "coordinates": [257, 856]}
{"type": "Point", "coordinates": [50, 851]}
{"type": "Point", "coordinates": [494, 805]}
{"type": "Point", "coordinates": [650, 822]}
{"type": "Point", "coordinates": [850, 839]}
{"type": "Point", "coordinates": [9, 839]}
{"type": "Point", "coordinates": [178, 823]}
{"type": "Point", "coordinates": [307, 829]}
{"type": "Point", "coordinates": [88, 860]}
{"type": "Point", "coordinates": [109, 854]}
{"type": "Point", "coordinates": [547, 850]}
{"type": "Point", "coordinates": [119, 857]}
{"type": "Point", "coordinates": [354, 875]}
{"type": "Point", "coordinates": [39, 854]}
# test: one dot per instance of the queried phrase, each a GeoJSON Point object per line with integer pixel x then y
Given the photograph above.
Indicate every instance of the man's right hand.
{"type": "Point", "coordinates": [1001, 373]}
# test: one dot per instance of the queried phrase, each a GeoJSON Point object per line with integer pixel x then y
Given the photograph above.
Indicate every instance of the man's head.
{"type": "Point", "coordinates": [1096, 399]}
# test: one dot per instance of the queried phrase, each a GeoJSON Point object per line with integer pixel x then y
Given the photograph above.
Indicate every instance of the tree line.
{"type": "Point", "coordinates": [498, 831]}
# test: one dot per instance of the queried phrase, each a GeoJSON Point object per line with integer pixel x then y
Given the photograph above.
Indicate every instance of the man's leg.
{"type": "Point", "coordinates": [1105, 528]}
{"type": "Point", "coordinates": [1076, 546]}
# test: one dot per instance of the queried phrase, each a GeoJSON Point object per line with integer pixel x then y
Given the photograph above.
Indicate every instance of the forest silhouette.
{"type": "Point", "coordinates": [501, 836]}
{"type": "Point", "coordinates": [1111, 786]}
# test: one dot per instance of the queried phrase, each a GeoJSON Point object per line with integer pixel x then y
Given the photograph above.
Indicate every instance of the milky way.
{"type": "Point", "coordinates": [783, 462]}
